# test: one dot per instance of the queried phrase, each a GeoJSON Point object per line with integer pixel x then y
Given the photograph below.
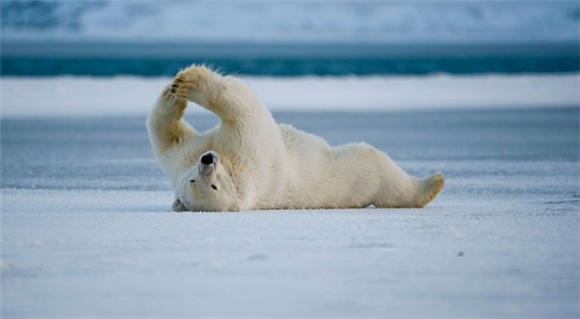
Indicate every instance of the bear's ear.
{"type": "Point", "coordinates": [178, 206]}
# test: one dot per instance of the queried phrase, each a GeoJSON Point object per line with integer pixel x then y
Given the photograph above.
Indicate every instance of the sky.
{"type": "Point", "coordinates": [281, 21]}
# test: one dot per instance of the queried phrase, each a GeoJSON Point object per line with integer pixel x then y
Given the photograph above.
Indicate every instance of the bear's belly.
{"type": "Point", "coordinates": [314, 176]}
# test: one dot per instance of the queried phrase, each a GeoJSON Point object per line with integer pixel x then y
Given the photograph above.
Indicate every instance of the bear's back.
{"type": "Point", "coordinates": [298, 142]}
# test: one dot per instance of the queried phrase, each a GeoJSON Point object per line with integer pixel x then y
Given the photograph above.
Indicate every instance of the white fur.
{"type": "Point", "coordinates": [263, 165]}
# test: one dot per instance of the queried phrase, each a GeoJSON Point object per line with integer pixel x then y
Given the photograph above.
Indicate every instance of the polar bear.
{"type": "Point", "coordinates": [249, 162]}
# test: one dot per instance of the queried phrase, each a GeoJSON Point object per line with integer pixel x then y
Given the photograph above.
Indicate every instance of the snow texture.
{"type": "Point", "coordinates": [87, 228]}
{"type": "Point", "coordinates": [283, 21]}
{"type": "Point", "coordinates": [86, 96]}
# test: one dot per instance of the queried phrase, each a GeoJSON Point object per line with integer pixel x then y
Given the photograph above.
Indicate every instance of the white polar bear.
{"type": "Point", "coordinates": [249, 162]}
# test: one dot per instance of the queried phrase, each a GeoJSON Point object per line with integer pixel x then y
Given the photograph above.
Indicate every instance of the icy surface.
{"type": "Point", "coordinates": [87, 231]}
{"type": "Point", "coordinates": [70, 96]}
{"type": "Point", "coordinates": [283, 21]}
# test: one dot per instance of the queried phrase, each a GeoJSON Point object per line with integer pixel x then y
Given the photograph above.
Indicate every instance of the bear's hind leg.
{"type": "Point", "coordinates": [399, 190]}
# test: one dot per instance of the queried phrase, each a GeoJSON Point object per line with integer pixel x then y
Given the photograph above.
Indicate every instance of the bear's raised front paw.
{"type": "Point", "coordinates": [192, 82]}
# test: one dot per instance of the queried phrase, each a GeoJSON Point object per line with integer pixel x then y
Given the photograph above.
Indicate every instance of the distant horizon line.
{"type": "Point", "coordinates": [257, 49]}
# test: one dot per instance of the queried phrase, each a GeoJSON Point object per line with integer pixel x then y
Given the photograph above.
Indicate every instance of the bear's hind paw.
{"type": "Point", "coordinates": [432, 187]}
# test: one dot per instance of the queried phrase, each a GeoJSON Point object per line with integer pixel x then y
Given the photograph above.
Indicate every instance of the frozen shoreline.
{"type": "Point", "coordinates": [87, 96]}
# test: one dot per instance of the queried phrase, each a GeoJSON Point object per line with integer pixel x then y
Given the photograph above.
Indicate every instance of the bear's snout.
{"type": "Point", "coordinates": [208, 158]}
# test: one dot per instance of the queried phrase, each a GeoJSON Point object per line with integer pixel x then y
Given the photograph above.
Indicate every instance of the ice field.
{"type": "Point", "coordinates": [87, 228]}
{"type": "Point", "coordinates": [66, 96]}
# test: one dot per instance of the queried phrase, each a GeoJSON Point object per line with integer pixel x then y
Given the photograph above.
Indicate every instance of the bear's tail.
{"type": "Point", "coordinates": [432, 186]}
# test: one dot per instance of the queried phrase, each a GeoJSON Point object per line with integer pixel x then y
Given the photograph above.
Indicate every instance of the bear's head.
{"type": "Point", "coordinates": [207, 187]}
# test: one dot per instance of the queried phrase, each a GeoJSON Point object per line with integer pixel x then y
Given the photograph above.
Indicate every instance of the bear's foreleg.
{"type": "Point", "coordinates": [165, 124]}
{"type": "Point", "coordinates": [229, 98]}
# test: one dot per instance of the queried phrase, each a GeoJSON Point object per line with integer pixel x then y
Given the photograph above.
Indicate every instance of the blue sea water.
{"type": "Point", "coordinates": [165, 59]}
{"type": "Point", "coordinates": [288, 67]}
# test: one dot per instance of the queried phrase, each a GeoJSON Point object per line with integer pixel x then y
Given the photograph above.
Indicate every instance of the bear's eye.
{"type": "Point", "coordinates": [192, 181]}
{"type": "Point", "coordinates": [214, 187]}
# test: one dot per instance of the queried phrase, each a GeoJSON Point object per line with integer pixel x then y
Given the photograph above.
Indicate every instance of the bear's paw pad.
{"type": "Point", "coordinates": [188, 82]}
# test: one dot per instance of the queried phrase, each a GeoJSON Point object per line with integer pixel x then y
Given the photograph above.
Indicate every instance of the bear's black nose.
{"type": "Point", "coordinates": [207, 159]}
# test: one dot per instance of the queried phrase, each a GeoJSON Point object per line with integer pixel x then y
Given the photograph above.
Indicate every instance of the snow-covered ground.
{"type": "Point", "coordinates": [87, 228]}
{"type": "Point", "coordinates": [123, 254]}
{"type": "Point", "coordinates": [82, 96]}
{"type": "Point", "coordinates": [285, 21]}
